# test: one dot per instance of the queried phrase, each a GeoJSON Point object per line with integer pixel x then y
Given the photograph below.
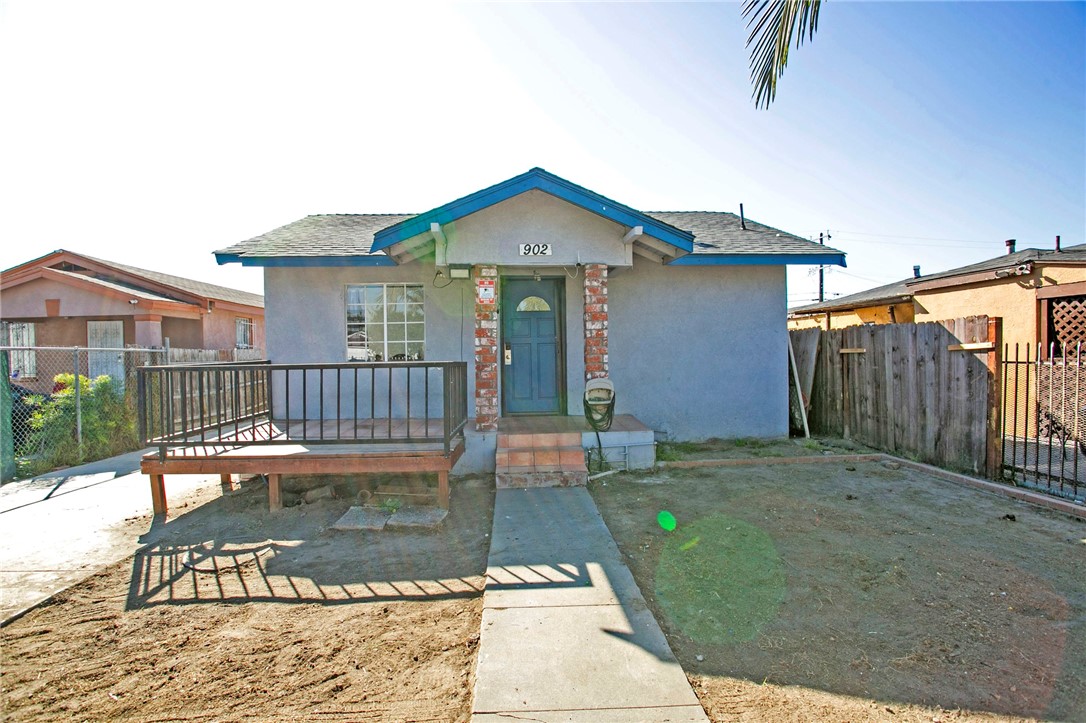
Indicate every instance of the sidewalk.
{"type": "Point", "coordinates": [63, 526]}
{"type": "Point", "coordinates": [566, 634]}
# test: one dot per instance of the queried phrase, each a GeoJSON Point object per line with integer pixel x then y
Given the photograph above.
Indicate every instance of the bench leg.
{"type": "Point", "coordinates": [158, 493]}
{"type": "Point", "coordinates": [443, 489]}
{"type": "Point", "coordinates": [227, 482]}
{"type": "Point", "coordinates": [275, 492]}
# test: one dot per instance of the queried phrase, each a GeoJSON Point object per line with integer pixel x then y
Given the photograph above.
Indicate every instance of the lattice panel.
{"type": "Point", "coordinates": [1069, 321]}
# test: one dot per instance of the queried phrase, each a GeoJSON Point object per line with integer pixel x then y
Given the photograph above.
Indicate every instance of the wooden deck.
{"type": "Point", "coordinates": [382, 445]}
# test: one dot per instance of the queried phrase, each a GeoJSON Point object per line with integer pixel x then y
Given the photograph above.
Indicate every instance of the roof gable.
{"type": "Point", "coordinates": [160, 285]}
{"type": "Point", "coordinates": [535, 179]}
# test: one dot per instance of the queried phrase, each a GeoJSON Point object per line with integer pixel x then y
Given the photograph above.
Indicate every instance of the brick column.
{"type": "Point", "coordinates": [486, 356]}
{"type": "Point", "coordinates": [595, 321]}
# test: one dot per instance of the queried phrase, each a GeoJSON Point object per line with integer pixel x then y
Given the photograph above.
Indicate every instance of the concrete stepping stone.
{"type": "Point", "coordinates": [417, 517]}
{"type": "Point", "coordinates": [362, 518]}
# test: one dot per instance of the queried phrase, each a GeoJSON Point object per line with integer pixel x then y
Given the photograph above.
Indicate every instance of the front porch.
{"type": "Point", "coordinates": [302, 419]}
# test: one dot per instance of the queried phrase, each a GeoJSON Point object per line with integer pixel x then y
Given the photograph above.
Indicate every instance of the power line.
{"type": "Point", "coordinates": [923, 238]}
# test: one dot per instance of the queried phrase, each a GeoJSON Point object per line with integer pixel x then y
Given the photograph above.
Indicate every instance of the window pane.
{"type": "Point", "coordinates": [397, 352]}
{"type": "Point", "coordinates": [414, 350]}
{"type": "Point", "coordinates": [394, 294]}
{"type": "Point", "coordinates": [356, 334]}
{"type": "Point", "coordinates": [355, 295]}
{"type": "Point", "coordinates": [397, 313]}
{"type": "Point", "coordinates": [396, 332]}
{"type": "Point", "coordinates": [533, 303]}
{"type": "Point", "coordinates": [375, 314]}
{"type": "Point", "coordinates": [374, 294]}
{"type": "Point", "coordinates": [414, 294]}
{"type": "Point", "coordinates": [416, 332]}
{"type": "Point", "coordinates": [377, 352]}
{"type": "Point", "coordinates": [356, 316]}
{"type": "Point", "coordinates": [376, 332]}
{"type": "Point", "coordinates": [414, 312]}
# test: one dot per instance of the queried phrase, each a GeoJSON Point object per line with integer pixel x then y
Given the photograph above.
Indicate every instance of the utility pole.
{"type": "Point", "coordinates": [821, 274]}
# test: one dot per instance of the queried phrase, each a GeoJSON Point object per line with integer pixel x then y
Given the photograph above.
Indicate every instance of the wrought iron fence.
{"type": "Point", "coordinates": [76, 404]}
{"type": "Point", "coordinates": [342, 403]}
{"type": "Point", "coordinates": [1044, 420]}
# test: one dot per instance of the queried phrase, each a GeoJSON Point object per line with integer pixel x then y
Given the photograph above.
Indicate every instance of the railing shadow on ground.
{"type": "Point", "coordinates": [231, 550]}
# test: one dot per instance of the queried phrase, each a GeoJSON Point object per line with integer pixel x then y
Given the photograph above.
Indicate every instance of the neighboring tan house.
{"type": "Point", "coordinates": [539, 284]}
{"type": "Point", "coordinates": [67, 299]}
{"type": "Point", "coordinates": [1039, 294]}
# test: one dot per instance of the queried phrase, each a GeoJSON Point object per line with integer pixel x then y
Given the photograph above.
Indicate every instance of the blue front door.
{"type": "Point", "coordinates": [531, 346]}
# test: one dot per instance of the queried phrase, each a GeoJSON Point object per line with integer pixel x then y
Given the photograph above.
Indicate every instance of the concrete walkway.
{"type": "Point", "coordinates": [566, 634]}
{"type": "Point", "coordinates": [63, 526]}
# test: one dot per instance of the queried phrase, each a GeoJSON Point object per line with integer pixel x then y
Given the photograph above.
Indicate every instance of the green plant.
{"type": "Point", "coordinates": [811, 444]}
{"type": "Point", "coordinates": [391, 504]}
{"type": "Point", "coordinates": [105, 424]}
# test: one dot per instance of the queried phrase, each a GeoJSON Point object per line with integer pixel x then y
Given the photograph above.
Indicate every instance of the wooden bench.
{"type": "Point", "coordinates": [267, 461]}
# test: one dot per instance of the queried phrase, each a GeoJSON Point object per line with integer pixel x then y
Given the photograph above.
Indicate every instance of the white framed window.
{"type": "Point", "coordinates": [24, 363]}
{"type": "Point", "coordinates": [385, 322]}
{"type": "Point", "coordinates": [243, 333]}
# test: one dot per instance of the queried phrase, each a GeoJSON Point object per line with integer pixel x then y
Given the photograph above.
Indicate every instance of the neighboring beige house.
{"type": "Point", "coordinates": [1039, 294]}
{"type": "Point", "coordinates": [68, 299]}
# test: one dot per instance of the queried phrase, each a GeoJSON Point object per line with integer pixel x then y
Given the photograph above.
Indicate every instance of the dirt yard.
{"type": "Point", "coordinates": [856, 592]}
{"type": "Point", "coordinates": [239, 614]}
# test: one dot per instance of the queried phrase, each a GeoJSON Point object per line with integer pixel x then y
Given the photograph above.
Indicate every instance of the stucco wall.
{"type": "Point", "coordinates": [701, 351]}
{"type": "Point", "coordinates": [1014, 299]}
{"type": "Point", "coordinates": [183, 333]}
{"type": "Point", "coordinates": [220, 332]}
{"type": "Point", "coordinates": [695, 352]}
{"type": "Point", "coordinates": [28, 300]}
{"type": "Point", "coordinates": [493, 235]}
{"type": "Point", "coordinates": [880, 314]}
{"type": "Point", "coordinates": [305, 310]}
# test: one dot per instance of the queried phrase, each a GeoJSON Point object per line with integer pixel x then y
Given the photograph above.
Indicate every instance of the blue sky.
{"type": "Point", "coordinates": [916, 133]}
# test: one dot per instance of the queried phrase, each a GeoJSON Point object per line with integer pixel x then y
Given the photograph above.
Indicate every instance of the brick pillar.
{"type": "Point", "coordinates": [486, 355]}
{"type": "Point", "coordinates": [595, 321]}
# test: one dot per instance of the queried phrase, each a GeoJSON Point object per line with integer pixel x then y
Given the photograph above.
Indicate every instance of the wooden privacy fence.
{"type": "Point", "coordinates": [926, 391]}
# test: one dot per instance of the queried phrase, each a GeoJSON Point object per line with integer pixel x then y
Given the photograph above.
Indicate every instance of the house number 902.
{"type": "Point", "coordinates": [535, 249]}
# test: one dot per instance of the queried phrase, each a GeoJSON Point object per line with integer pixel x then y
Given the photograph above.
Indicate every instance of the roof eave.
{"type": "Point", "coordinates": [535, 179]}
{"type": "Point", "coordinates": [767, 259]}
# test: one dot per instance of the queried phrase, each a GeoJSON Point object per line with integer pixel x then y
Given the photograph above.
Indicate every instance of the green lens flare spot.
{"type": "Point", "coordinates": [720, 580]}
{"type": "Point", "coordinates": [667, 520]}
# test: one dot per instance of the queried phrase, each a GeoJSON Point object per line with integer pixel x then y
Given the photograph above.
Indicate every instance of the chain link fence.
{"type": "Point", "coordinates": [71, 405]}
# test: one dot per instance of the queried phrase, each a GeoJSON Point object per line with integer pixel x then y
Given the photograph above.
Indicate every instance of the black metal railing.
{"type": "Point", "coordinates": [346, 403]}
{"type": "Point", "coordinates": [1044, 420]}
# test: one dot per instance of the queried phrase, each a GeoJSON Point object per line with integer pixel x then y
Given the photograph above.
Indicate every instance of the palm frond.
{"type": "Point", "coordinates": [772, 24]}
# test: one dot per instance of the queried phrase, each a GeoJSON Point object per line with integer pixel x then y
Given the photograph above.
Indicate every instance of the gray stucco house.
{"type": "Point", "coordinates": [539, 284]}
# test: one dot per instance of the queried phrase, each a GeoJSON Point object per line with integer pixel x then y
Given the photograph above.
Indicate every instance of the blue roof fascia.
{"type": "Point", "coordinates": [305, 261]}
{"type": "Point", "coordinates": [535, 179]}
{"type": "Point", "coordinates": [759, 260]}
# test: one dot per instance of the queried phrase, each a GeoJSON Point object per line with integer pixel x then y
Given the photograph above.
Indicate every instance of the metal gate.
{"type": "Point", "coordinates": [1044, 420]}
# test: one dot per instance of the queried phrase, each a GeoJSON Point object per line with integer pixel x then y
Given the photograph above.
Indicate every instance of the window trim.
{"type": "Point", "coordinates": [385, 341]}
{"type": "Point", "coordinates": [29, 355]}
{"type": "Point", "coordinates": [243, 322]}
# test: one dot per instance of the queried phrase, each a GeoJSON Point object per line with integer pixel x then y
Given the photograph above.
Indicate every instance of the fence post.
{"type": "Point", "coordinates": [994, 441]}
{"type": "Point", "coordinates": [78, 403]}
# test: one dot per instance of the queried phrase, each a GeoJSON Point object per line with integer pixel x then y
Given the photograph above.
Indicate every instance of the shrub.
{"type": "Point", "coordinates": [107, 422]}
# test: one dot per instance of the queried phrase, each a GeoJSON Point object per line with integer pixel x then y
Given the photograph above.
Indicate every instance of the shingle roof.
{"type": "Point", "coordinates": [127, 289]}
{"type": "Point", "coordinates": [199, 288]}
{"type": "Point", "coordinates": [717, 232]}
{"type": "Point", "coordinates": [901, 290]}
{"type": "Point", "coordinates": [1071, 254]}
{"type": "Point", "coordinates": [897, 291]}
{"type": "Point", "coordinates": [333, 234]}
{"type": "Point", "coordinates": [352, 235]}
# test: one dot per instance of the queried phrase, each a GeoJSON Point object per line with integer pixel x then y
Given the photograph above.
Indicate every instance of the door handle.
{"type": "Point", "coordinates": [508, 354]}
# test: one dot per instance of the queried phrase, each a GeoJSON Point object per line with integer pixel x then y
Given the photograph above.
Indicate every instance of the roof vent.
{"type": "Point", "coordinates": [916, 271]}
{"type": "Point", "coordinates": [1058, 244]}
{"type": "Point", "coordinates": [1010, 245]}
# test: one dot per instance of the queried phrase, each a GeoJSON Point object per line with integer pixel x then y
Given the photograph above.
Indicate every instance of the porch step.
{"type": "Point", "coordinates": [540, 460]}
